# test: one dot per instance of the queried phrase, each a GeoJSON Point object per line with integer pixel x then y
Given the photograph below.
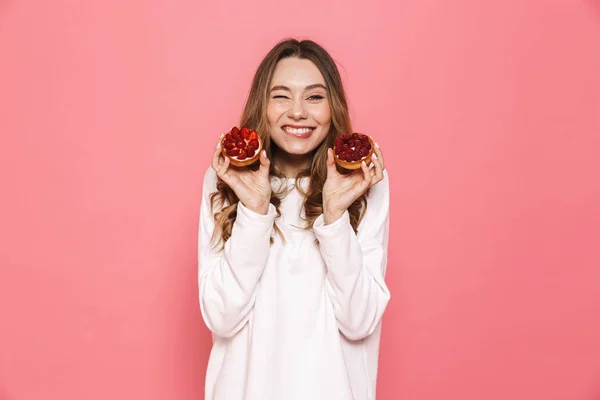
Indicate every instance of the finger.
{"type": "Point", "coordinates": [265, 163]}
{"type": "Point", "coordinates": [379, 154]}
{"type": "Point", "coordinates": [222, 171]}
{"type": "Point", "coordinates": [217, 156]}
{"type": "Point", "coordinates": [377, 170]}
{"type": "Point", "coordinates": [331, 170]}
{"type": "Point", "coordinates": [368, 175]}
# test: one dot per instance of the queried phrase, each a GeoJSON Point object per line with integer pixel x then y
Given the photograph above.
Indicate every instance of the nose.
{"type": "Point", "coordinates": [297, 110]}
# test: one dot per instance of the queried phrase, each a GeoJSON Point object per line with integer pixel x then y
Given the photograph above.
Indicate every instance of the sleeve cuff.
{"type": "Point", "coordinates": [322, 230]}
{"type": "Point", "coordinates": [247, 215]}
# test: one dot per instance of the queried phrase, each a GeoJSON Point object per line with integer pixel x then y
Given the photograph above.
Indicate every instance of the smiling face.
{"type": "Point", "coordinates": [298, 110]}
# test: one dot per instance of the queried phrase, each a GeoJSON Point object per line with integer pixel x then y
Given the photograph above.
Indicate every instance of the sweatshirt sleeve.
{"type": "Point", "coordinates": [356, 264]}
{"type": "Point", "coordinates": [227, 279]}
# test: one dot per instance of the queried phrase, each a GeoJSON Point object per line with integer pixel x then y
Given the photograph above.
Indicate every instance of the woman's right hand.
{"type": "Point", "coordinates": [253, 188]}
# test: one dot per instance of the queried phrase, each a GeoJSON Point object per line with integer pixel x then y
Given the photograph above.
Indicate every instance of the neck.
{"type": "Point", "coordinates": [290, 165]}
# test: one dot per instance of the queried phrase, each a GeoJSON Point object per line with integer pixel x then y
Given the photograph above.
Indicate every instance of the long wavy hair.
{"type": "Point", "coordinates": [224, 201]}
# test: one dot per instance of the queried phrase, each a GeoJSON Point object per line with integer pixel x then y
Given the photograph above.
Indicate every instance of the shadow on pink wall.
{"type": "Point", "coordinates": [595, 5]}
{"type": "Point", "coordinates": [3, 7]}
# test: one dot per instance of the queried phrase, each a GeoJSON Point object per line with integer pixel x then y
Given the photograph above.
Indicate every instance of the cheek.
{"type": "Point", "coordinates": [323, 114]}
{"type": "Point", "coordinates": [270, 113]}
{"type": "Point", "coordinates": [274, 112]}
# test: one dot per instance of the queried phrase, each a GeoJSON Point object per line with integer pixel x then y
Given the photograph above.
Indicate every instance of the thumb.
{"type": "Point", "coordinates": [265, 163]}
{"type": "Point", "coordinates": [331, 170]}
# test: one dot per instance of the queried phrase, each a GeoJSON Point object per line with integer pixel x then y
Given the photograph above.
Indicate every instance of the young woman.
{"type": "Point", "coordinates": [293, 251]}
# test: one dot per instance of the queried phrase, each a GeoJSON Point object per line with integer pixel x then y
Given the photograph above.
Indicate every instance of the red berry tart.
{"type": "Point", "coordinates": [242, 146]}
{"type": "Point", "coordinates": [351, 149]}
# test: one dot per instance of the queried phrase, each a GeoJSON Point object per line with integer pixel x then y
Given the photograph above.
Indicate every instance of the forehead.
{"type": "Point", "coordinates": [296, 73]}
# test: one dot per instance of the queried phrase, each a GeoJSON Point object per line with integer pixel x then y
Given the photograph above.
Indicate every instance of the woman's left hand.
{"type": "Point", "coordinates": [341, 190]}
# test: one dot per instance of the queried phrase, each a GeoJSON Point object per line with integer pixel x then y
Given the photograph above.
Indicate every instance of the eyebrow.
{"type": "Point", "coordinates": [309, 87]}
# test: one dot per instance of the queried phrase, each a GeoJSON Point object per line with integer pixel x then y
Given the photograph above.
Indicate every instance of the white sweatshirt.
{"type": "Point", "coordinates": [294, 320]}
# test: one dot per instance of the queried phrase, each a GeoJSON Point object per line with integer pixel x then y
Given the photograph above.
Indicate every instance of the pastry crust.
{"type": "Point", "coordinates": [355, 164]}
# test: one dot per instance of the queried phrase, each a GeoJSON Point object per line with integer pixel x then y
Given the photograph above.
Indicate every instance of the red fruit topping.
{"type": "Point", "coordinates": [351, 149]}
{"type": "Point", "coordinates": [242, 146]}
{"type": "Point", "coordinates": [244, 132]}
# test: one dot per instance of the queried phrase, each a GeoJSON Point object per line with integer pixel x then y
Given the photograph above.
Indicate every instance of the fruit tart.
{"type": "Point", "coordinates": [242, 146]}
{"type": "Point", "coordinates": [351, 149]}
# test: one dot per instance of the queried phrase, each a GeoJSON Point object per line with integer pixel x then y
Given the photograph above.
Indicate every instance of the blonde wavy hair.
{"type": "Point", "coordinates": [224, 201]}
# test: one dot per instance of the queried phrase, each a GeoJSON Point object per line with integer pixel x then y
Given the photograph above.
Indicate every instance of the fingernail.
{"type": "Point", "coordinates": [376, 145]}
{"type": "Point", "coordinates": [363, 163]}
{"type": "Point", "coordinates": [374, 156]}
{"type": "Point", "coordinates": [218, 145]}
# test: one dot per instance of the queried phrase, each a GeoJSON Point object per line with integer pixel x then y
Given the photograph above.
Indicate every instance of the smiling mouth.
{"type": "Point", "coordinates": [301, 132]}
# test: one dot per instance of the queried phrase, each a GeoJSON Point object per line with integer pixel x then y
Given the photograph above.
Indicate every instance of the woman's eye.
{"type": "Point", "coordinates": [316, 97]}
{"type": "Point", "coordinates": [280, 97]}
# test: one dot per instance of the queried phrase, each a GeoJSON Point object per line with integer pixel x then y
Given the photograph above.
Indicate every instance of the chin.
{"type": "Point", "coordinates": [299, 149]}
{"type": "Point", "coordinates": [294, 151]}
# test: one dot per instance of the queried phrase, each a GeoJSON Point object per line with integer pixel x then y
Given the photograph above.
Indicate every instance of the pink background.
{"type": "Point", "coordinates": [488, 113]}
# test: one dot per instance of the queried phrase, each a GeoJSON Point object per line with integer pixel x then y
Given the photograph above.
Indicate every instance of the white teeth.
{"type": "Point", "coordinates": [297, 131]}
